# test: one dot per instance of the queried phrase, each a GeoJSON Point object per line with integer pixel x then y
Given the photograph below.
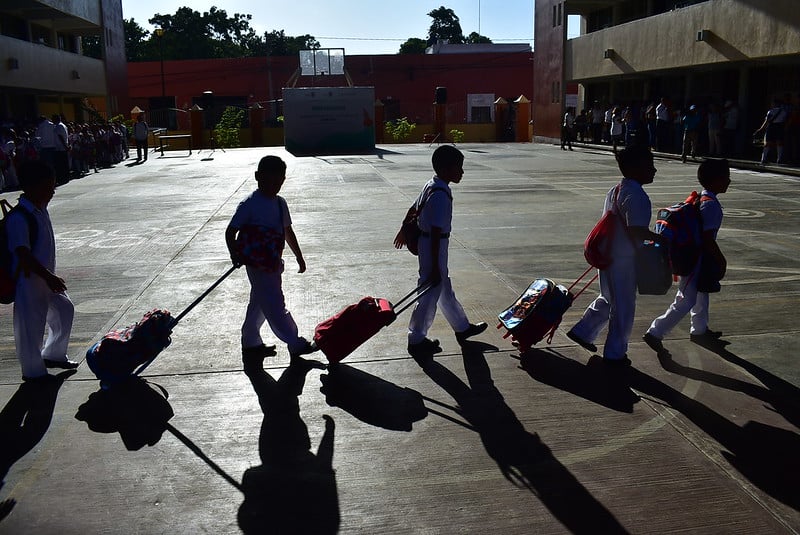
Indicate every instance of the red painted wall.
{"type": "Point", "coordinates": [409, 81]}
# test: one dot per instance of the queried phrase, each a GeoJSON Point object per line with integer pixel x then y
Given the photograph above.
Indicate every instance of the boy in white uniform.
{"type": "Point", "coordinates": [40, 300]}
{"type": "Point", "coordinates": [616, 304]}
{"type": "Point", "coordinates": [715, 177]}
{"type": "Point", "coordinates": [265, 209]}
{"type": "Point", "coordinates": [435, 221]}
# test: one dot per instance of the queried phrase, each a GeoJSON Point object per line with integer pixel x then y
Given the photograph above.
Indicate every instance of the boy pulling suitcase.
{"type": "Point", "coordinates": [255, 237]}
{"type": "Point", "coordinates": [435, 221]}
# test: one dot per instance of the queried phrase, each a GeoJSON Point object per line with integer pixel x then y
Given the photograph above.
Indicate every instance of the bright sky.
{"type": "Point", "coordinates": [359, 26]}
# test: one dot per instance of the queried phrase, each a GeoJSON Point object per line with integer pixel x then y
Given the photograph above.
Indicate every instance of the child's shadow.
{"type": "Point", "coordinates": [293, 491]}
{"type": "Point", "coordinates": [782, 396]}
{"type": "Point", "coordinates": [766, 455]}
{"type": "Point", "coordinates": [133, 408]}
{"type": "Point", "coordinates": [371, 399]}
{"type": "Point", "coordinates": [592, 381]}
{"type": "Point", "coordinates": [521, 456]}
{"type": "Point", "coordinates": [24, 421]}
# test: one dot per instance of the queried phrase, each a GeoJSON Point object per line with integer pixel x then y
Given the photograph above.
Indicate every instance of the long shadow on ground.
{"type": "Point", "coordinates": [521, 456]}
{"type": "Point", "coordinates": [294, 490]}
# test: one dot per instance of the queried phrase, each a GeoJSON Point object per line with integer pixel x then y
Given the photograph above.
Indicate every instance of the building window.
{"type": "Point", "coordinates": [560, 14]}
{"type": "Point", "coordinates": [555, 17]}
{"type": "Point", "coordinates": [480, 107]}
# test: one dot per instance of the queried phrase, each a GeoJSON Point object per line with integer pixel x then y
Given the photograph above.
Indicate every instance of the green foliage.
{"type": "Point", "coordinates": [445, 26]}
{"type": "Point", "coordinates": [399, 129]}
{"type": "Point", "coordinates": [456, 135]}
{"type": "Point", "coordinates": [189, 34]}
{"type": "Point", "coordinates": [227, 130]}
{"type": "Point", "coordinates": [413, 45]}
{"type": "Point", "coordinates": [475, 38]}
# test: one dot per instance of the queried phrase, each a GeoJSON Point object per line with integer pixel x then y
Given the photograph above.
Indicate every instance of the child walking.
{"type": "Point", "coordinates": [41, 301]}
{"type": "Point", "coordinates": [435, 221]}
{"type": "Point", "coordinates": [692, 295]}
{"type": "Point", "coordinates": [256, 236]}
{"type": "Point", "coordinates": [616, 304]}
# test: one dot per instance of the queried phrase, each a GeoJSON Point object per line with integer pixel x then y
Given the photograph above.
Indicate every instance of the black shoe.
{"type": "Point", "coordinates": [581, 342]}
{"type": "Point", "coordinates": [708, 336]}
{"type": "Point", "coordinates": [624, 362]}
{"type": "Point", "coordinates": [425, 348]}
{"type": "Point", "coordinates": [260, 351]}
{"type": "Point", "coordinates": [39, 380]}
{"type": "Point", "coordinates": [654, 342]}
{"type": "Point", "coordinates": [474, 329]}
{"type": "Point", "coordinates": [65, 364]}
{"type": "Point", "coordinates": [307, 348]}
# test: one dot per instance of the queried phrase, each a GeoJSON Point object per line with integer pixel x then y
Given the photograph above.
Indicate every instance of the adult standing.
{"type": "Point", "coordinates": [691, 124]}
{"type": "Point", "coordinates": [597, 122]}
{"type": "Point", "coordinates": [663, 121]}
{"type": "Point", "coordinates": [730, 124]}
{"type": "Point", "coordinates": [773, 128]}
{"type": "Point", "coordinates": [140, 132]}
{"type": "Point", "coordinates": [47, 140]}
{"type": "Point", "coordinates": [61, 153]}
{"type": "Point", "coordinates": [567, 128]}
{"type": "Point", "coordinates": [714, 128]}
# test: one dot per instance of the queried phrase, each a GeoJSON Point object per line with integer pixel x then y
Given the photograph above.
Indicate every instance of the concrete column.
{"type": "Point", "coordinates": [523, 119]}
{"type": "Point", "coordinates": [196, 123]}
{"type": "Point", "coordinates": [439, 120]}
{"type": "Point", "coordinates": [380, 117]}
{"type": "Point", "coordinates": [256, 125]}
{"type": "Point", "coordinates": [500, 118]}
{"type": "Point", "coordinates": [744, 113]}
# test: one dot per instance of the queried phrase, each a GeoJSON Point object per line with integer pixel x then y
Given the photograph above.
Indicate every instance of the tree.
{"type": "Point", "coordinates": [136, 48]}
{"type": "Point", "coordinates": [414, 45]}
{"type": "Point", "coordinates": [189, 34]}
{"type": "Point", "coordinates": [475, 38]}
{"type": "Point", "coordinates": [445, 26]}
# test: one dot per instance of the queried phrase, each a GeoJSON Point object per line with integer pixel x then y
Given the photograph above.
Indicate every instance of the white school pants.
{"type": "Point", "coordinates": [267, 304]}
{"type": "Point", "coordinates": [615, 307]}
{"type": "Point", "coordinates": [443, 295]}
{"type": "Point", "coordinates": [687, 300]}
{"type": "Point", "coordinates": [37, 308]}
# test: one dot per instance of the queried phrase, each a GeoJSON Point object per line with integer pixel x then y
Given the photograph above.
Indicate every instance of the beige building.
{"type": "Point", "coordinates": [43, 67]}
{"type": "Point", "coordinates": [689, 51]}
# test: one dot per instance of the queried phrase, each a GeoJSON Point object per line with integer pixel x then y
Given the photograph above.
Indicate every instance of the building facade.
{"type": "Point", "coordinates": [404, 83]}
{"type": "Point", "coordinates": [688, 51]}
{"type": "Point", "coordinates": [43, 67]}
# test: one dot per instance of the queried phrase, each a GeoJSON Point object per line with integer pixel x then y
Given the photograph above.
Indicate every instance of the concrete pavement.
{"type": "Point", "coordinates": [480, 441]}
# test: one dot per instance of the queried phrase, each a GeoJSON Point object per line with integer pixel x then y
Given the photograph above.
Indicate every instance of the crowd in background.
{"type": "Point", "coordinates": [72, 149]}
{"type": "Point", "coordinates": [691, 129]}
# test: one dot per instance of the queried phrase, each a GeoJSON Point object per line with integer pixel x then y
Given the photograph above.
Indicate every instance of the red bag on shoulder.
{"type": "Point", "coordinates": [597, 249]}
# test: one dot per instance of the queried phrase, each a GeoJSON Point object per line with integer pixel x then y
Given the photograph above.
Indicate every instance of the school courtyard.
{"type": "Point", "coordinates": [481, 440]}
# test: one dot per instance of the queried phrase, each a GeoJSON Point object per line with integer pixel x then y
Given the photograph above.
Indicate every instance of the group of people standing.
{"type": "Point", "coordinates": [72, 149]}
{"type": "Point", "coordinates": [690, 130]}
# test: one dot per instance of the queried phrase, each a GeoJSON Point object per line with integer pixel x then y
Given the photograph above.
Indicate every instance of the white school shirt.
{"type": "Point", "coordinates": [260, 210]}
{"type": "Point", "coordinates": [438, 209]}
{"type": "Point", "coordinates": [47, 134]}
{"type": "Point", "coordinates": [633, 207]}
{"type": "Point", "coordinates": [44, 249]}
{"type": "Point", "coordinates": [711, 213]}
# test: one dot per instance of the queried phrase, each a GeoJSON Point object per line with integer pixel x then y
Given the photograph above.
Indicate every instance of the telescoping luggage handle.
{"type": "Point", "coordinates": [412, 297]}
{"type": "Point", "coordinates": [196, 302]}
{"type": "Point", "coordinates": [585, 285]}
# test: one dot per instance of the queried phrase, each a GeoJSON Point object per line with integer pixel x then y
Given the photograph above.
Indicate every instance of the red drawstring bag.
{"type": "Point", "coordinates": [597, 249]}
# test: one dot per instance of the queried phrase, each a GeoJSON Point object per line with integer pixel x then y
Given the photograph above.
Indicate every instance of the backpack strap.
{"type": "Point", "coordinates": [30, 220]}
